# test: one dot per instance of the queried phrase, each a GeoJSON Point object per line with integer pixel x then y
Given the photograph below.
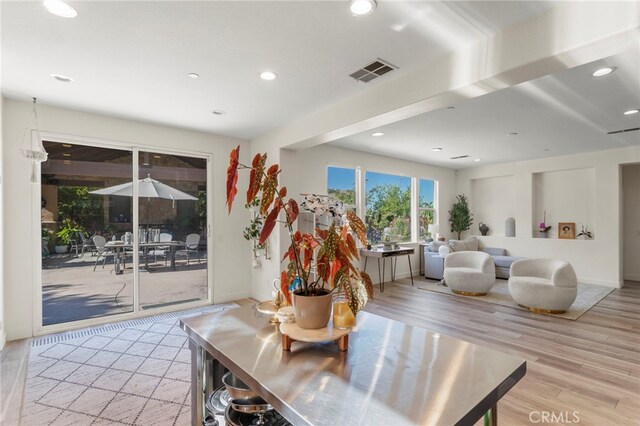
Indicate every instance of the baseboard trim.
{"type": "Point", "coordinates": [604, 283]}
{"type": "Point", "coordinates": [631, 277]}
{"type": "Point", "coordinates": [230, 297]}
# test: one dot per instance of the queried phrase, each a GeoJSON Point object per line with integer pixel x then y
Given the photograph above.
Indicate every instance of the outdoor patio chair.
{"type": "Point", "coordinates": [102, 249]}
{"type": "Point", "coordinates": [162, 250]}
{"type": "Point", "coordinates": [191, 247]}
{"type": "Point", "coordinates": [75, 245]}
{"type": "Point", "coordinates": [87, 244]}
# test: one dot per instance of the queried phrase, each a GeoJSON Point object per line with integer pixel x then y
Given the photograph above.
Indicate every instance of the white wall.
{"type": "Point", "coordinates": [230, 251]}
{"type": "Point", "coordinates": [597, 261]}
{"type": "Point", "coordinates": [494, 201]}
{"type": "Point", "coordinates": [631, 221]}
{"type": "Point", "coordinates": [2, 322]}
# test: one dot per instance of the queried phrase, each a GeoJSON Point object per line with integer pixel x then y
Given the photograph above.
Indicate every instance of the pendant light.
{"type": "Point", "coordinates": [31, 148]}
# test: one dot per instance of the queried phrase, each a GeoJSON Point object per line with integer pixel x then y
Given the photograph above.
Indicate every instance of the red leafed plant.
{"type": "Point", "coordinates": [330, 252]}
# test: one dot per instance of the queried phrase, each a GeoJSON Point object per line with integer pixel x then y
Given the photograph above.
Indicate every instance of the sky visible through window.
{"type": "Point", "coordinates": [426, 192]}
{"type": "Point", "coordinates": [341, 179]}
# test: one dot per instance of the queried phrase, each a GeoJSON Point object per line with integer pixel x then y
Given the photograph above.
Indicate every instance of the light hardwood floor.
{"type": "Point", "coordinates": [591, 365]}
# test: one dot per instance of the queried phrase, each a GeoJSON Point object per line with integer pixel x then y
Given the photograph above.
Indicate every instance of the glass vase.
{"type": "Point", "coordinates": [342, 315]}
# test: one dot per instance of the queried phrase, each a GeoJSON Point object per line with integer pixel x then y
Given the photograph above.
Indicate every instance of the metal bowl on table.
{"type": "Point", "coordinates": [252, 405]}
{"type": "Point", "coordinates": [237, 388]}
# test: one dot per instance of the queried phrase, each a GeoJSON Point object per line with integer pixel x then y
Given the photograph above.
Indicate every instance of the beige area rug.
{"type": "Point", "coordinates": [588, 296]}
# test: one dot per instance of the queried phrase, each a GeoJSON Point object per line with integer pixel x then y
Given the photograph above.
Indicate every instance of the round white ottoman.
{"type": "Point", "coordinates": [545, 286]}
{"type": "Point", "coordinates": [469, 273]}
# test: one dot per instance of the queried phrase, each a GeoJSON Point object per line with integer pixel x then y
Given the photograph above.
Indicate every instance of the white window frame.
{"type": "Point", "coordinates": [412, 208]}
{"type": "Point", "coordinates": [433, 209]}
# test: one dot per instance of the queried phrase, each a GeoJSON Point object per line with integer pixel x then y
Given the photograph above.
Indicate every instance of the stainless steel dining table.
{"type": "Point", "coordinates": [119, 249]}
{"type": "Point", "coordinates": [392, 373]}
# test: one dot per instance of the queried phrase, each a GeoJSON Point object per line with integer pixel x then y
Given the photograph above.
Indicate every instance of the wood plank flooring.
{"type": "Point", "coordinates": [591, 365]}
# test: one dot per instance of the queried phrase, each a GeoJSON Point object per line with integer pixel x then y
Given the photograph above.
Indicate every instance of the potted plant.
{"type": "Point", "coordinates": [543, 227]}
{"type": "Point", "coordinates": [252, 232]}
{"type": "Point", "coordinates": [460, 216]}
{"type": "Point", "coordinates": [330, 252]}
{"type": "Point", "coordinates": [66, 233]}
{"type": "Point", "coordinates": [46, 236]}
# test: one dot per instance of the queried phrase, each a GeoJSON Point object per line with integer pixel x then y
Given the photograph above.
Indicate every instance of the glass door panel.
{"type": "Point", "coordinates": [84, 208]}
{"type": "Point", "coordinates": [172, 218]}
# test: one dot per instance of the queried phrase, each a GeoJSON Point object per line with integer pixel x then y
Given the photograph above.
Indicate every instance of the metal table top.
{"type": "Point", "coordinates": [393, 373]}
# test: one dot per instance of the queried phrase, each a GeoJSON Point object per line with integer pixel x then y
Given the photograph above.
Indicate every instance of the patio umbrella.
{"type": "Point", "coordinates": [147, 187]}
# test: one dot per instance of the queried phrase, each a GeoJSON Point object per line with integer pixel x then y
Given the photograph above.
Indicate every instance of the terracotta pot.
{"type": "Point", "coordinates": [312, 312]}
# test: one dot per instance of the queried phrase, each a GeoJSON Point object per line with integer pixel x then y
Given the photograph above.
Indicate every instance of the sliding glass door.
{"type": "Point", "coordinates": [172, 212]}
{"type": "Point", "coordinates": [93, 236]}
{"type": "Point", "coordinates": [78, 278]}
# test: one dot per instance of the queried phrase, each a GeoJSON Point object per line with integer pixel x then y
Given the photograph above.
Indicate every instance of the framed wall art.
{"type": "Point", "coordinates": [567, 230]}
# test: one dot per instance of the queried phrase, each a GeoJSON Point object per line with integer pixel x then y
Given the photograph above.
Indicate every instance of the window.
{"type": "Point", "coordinates": [427, 207]}
{"type": "Point", "coordinates": [388, 207]}
{"type": "Point", "coordinates": [341, 185]}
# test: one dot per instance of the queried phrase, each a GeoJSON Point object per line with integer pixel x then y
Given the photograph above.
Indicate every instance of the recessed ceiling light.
{"type": "Point", "coordinates": [603, 71]}
{"type": "Point", "coordinates": [62, 78]}
{"type": "Point", "coordinates": [377, 134]}
{"type": "Point", "coordinates": [631, 112]}
{"type": "Point", "coordinates": [193, 75]}
{"type": "Point", "coordinates": [450, 108]}
{"type": "Point", "coordinates": [66, 145]}
{"type": "Point", "coordinates": [60, 8]}
{"type": "Point", "coordinates": [218, 112]}
{"type": "Point", "coordinates": [362, 7]}
{"type": "Point", "coordinates": [268, 75]}
{"type": "Point", "coordinates": [477, 159]}
{"type": "Point", "coordinates": [436, 149]}
{"type": "Point", "coordinates": [512, 134]}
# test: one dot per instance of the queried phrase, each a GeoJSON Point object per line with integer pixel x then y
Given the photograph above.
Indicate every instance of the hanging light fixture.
{"type": "Point", "coordinates": [31, 148]}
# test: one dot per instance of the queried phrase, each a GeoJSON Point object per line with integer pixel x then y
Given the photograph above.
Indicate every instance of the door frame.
{"type": "Point", "coordinates": [134, 148]}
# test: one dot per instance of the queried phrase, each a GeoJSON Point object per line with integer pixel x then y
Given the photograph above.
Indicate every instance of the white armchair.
{"type": "Point", "coordinates": [469, 273]}
{"type": "Point", "coordinates": [543, 285]}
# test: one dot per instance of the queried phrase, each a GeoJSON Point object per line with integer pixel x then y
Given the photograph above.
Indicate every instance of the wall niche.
{"type": "Point", "coordinates": [566, 196]}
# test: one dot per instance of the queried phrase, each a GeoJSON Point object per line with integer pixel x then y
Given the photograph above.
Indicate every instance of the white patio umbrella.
{"type": "Point", "coordinates": [147, 188]}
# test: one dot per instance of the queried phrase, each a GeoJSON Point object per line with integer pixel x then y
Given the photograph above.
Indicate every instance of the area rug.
{"type": "Point", "coordinates": [133, 372]}
{"type": "Point", "coordinates": [588, 296]}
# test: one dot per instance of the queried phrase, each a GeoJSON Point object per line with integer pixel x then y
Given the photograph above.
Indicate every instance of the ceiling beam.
{"type": "Point", "coordinates": [566, 36]}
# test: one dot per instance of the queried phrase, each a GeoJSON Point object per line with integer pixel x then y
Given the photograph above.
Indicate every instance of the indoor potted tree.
{"type": "Point", "coordinates": [330, 252]}
{"type": "Point", "coordinates": [460, 216]}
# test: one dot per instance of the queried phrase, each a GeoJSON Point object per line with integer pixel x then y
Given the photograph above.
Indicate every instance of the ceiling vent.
{"type": "Point", "coordinates": [633, 129]}
{"type": "Point", "coordinates": [459, 157]}
{"type": "Point", "coordinates": [374, 70]}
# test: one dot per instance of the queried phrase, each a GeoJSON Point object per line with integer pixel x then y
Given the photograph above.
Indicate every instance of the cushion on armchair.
{"type": "Point", "coordinates": [435, 245]}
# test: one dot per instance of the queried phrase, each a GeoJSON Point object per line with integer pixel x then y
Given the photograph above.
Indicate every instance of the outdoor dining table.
{"type": "Point", "coordinates": [118, 247]}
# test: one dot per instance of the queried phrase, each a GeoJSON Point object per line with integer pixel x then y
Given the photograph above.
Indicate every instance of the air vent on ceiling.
{"type": "Point", "coordinates": [374, 70]}
{"type": "Point", "coordinates": [459, 157]}
{"type": "Point", "coordinates": [633, 129]}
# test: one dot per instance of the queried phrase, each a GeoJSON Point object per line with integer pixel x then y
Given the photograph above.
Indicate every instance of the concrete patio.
{"type": "Point", "coordinates": [72, 291]}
